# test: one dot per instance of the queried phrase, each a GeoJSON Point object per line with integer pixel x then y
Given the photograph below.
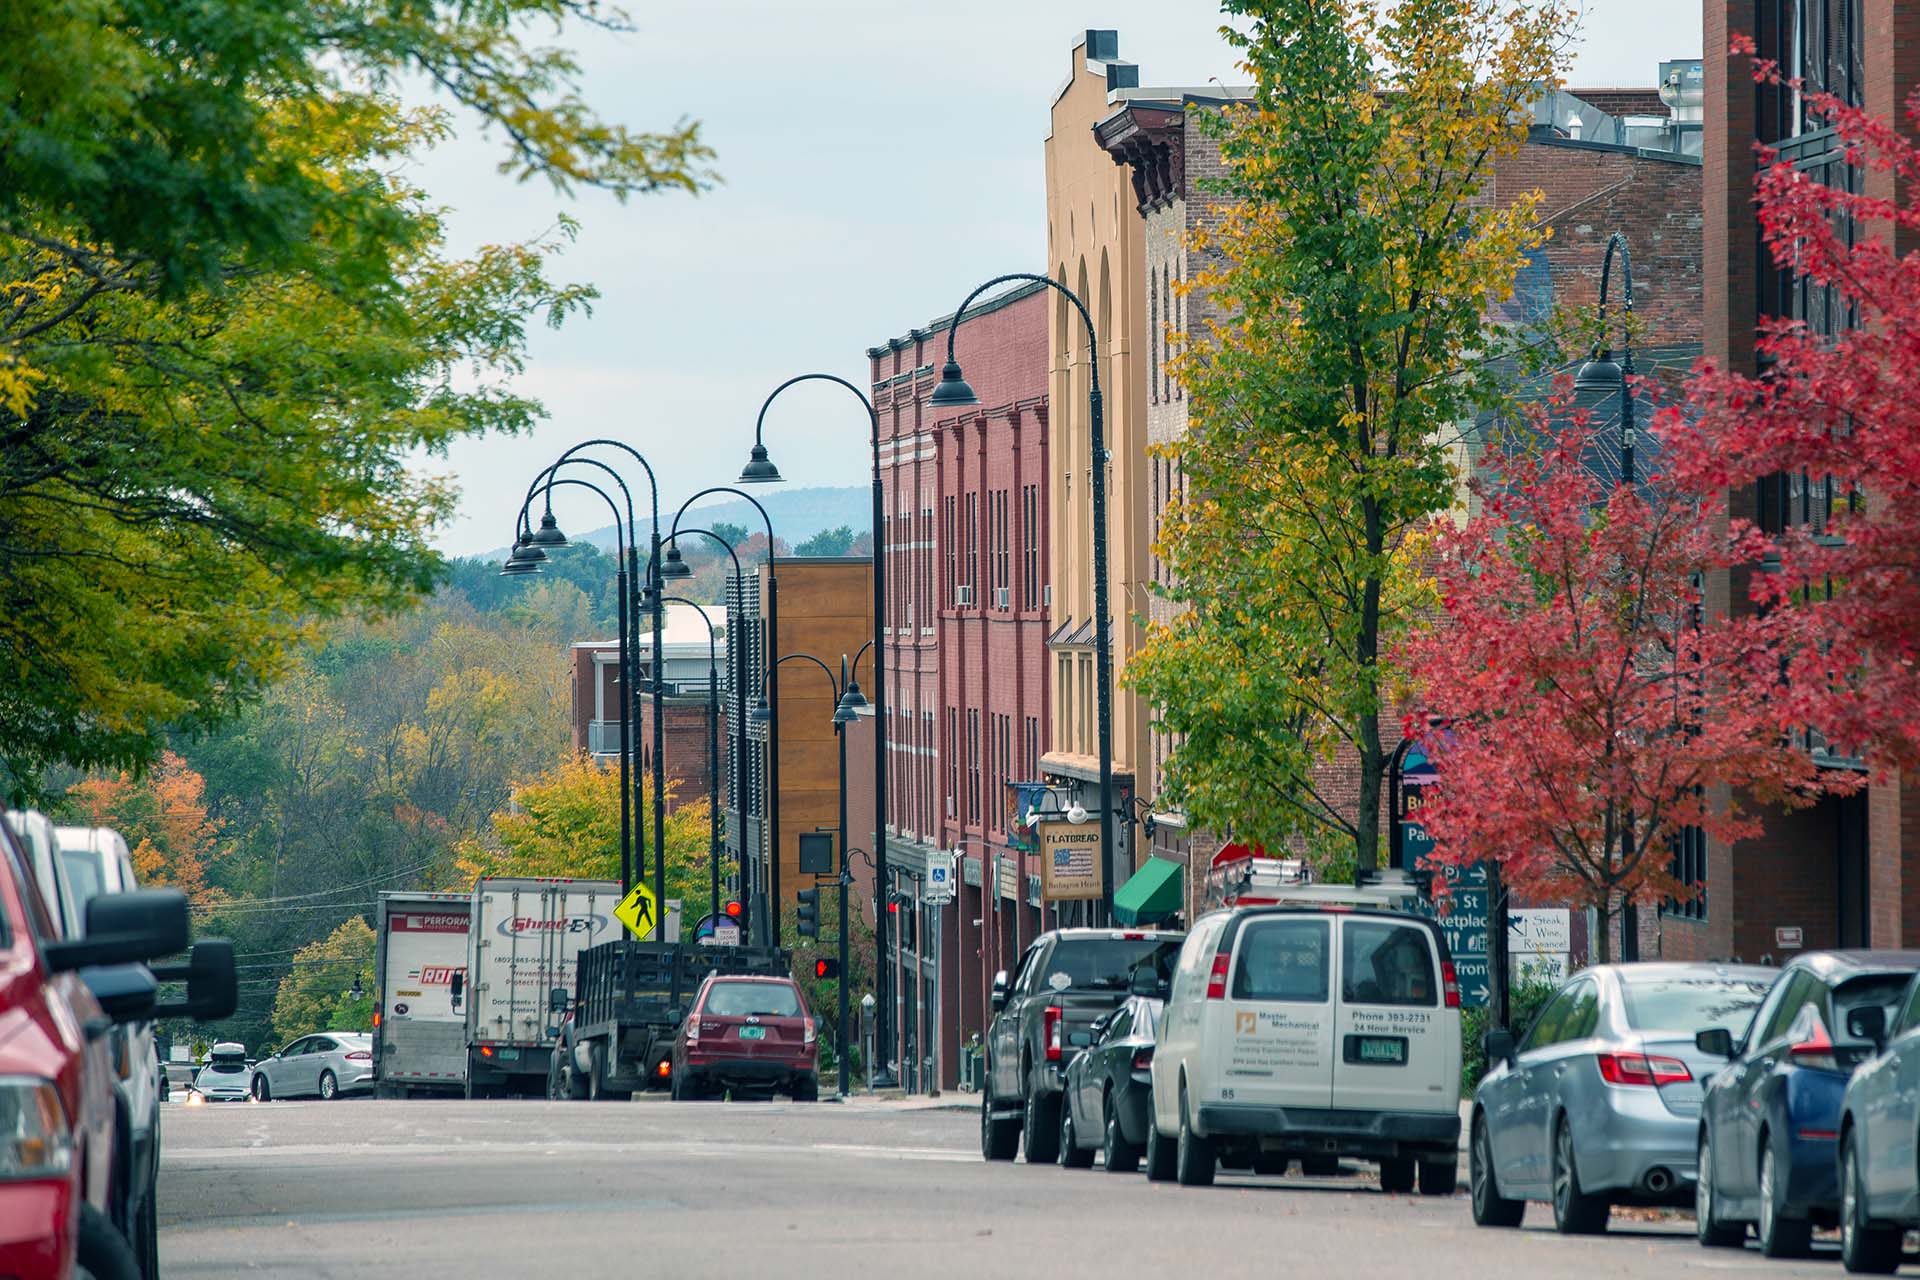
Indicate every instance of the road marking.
{"type": "Point", "coordinates": [205, 1156]}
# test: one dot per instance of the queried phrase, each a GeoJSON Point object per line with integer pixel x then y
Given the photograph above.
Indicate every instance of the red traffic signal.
{"type": "Point", "coordinates": [826, 968]}
{"type": "Point", "coordinates": [733, 911]}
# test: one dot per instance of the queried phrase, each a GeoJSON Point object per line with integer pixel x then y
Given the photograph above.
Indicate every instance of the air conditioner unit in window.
{"type": "Point", "coordinates": [1002, 596]}
{"type": "Point", "coordinates": [1046, 596]}
{"type": "Point", "coordinates": [963, 595]}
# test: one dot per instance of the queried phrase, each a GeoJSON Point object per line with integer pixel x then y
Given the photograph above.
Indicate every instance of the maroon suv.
{"type": "Point", "coordinates": [746, 1035]}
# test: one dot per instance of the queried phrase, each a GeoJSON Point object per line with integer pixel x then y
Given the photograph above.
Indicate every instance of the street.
{"type": "Point", "coordinates": [456, 1189]}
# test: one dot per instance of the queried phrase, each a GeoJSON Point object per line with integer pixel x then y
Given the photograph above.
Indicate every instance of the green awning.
{"type": "Point", "coordinates": [1150, 895]}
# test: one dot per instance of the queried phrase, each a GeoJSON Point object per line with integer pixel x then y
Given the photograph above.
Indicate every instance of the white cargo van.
{"type": "Point", "coordinates": [1310, 1030]}
{"type": "Point", "coordinates": [419, 1029]}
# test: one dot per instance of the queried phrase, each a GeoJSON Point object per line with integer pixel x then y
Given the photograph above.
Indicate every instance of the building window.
{"type": "Point", "coordinates": [1006, 547]}
{"type": "Point", "coordinates": [1032, 770]}
{"type": "Point", "coordinates": [973, 542]}
{"type": "Point", "coordinates": [1690, 869]}
{"type": "Point", "coordinates": [1153, 333]}
{"type": "Point", "coordinates": [1088, 696]}
{"type": "Point", "coordinates": [953, 571]}
{"type": "Point", "coordinates": [973, 766]}
{"type": "Point", "coordinates": [950, 749]}
{"type": "Point", "coordinates": [1030, 543]}
{"type": "Point", "coordinates": [925, 611]}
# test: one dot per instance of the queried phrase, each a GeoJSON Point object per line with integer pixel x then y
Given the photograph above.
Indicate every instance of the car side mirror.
{"type": "Point", "coordinates": [456, 987]}
{"type": "Point", "coordinates": [1868, 1022]}
{"type": "Point", "coordinates": [125, 928]}
{"type": "Point", "coordinates": [213, 983]}
{"type": "Point", "coordinates": [1499, 1045]}
{"type": "Point", "coordinates": [1146, 982]}
{"type": "Point", "coordinates": [1717, 1041]}
{"type": "Point", "coordinates": [999, 997]}
{"type": "Point", "coordinates": [126, 992]}
{"type": "Point", "coordinates": [557, 1000]}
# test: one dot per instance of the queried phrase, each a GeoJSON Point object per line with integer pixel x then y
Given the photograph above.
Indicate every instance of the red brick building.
{"type": "Point", "coordinates": [966, 536]}
{"type": "Point", "coordinates": [1847, 871]}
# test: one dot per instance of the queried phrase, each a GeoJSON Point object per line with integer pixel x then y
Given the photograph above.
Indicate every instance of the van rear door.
{"type": "Point", "coordinates": [1398, 1045]}
{"type": "Point", "coordinates": [1271, 1034]}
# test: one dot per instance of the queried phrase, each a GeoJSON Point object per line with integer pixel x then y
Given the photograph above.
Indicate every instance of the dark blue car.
{"type": "Point", "coordinates": [1771, 1117]}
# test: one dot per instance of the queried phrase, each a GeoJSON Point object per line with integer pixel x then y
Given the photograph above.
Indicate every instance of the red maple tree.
{"type": "Point", "coordinates": [1840, 409]}
{"type": "Point", "coordinates": [1591, 712]}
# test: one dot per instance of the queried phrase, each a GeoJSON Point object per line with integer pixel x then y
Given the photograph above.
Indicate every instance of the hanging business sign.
{"type": "Point", "coordinates": [1069, 861]}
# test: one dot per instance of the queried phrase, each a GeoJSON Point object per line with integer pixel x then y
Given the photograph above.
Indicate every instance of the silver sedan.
{"type": "Point", "coordinates": [1599, 1103]}
{"type": "Point", "coordinates": [317, 1066]}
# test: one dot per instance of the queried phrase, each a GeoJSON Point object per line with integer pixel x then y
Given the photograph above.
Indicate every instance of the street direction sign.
{"type": "Point", "coordinates": [639, 911]}
{"type": "Point", "coordinates": [1465, 925]}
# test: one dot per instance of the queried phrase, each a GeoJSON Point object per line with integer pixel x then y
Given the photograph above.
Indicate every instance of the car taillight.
{"type": "Point", "coordinates": [1050, 1020]}
{"type": "Point", "coordinates": [807, 1037]}
{"type": "Point", "coordinates": [360, 1055]}
{"type": "Point", "coordinates": [1143, 1059]}
{"type": "Point", "coordinates": [664, 1069]}
{"type": "Point", "coordinates": [1450, 984]}
{"type": "Point", "coordinates": [1649, 1070]}
{"type": "Point", "coordinates": [1217, 980]}
{"type": "Point", "coordinates": [1816, 1050]}
{"type": "Point", "coordinates": [486, 1051]}
{"type": "Point", "coordinates": [376, 1019]}
{"type": "Point", "coordinates": [693, 1031]}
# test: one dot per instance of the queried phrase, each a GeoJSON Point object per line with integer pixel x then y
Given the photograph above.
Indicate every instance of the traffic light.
{"type": "Point", "coordinates": [826, 968]}
{"type": "Point", "coordinates": [809, 913]}
{"type": "Point", "coordinates": [733, 911]}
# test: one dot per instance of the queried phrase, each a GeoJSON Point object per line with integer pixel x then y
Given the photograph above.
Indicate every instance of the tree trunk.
{"type": "Point", "coordinates": [1603, 945]}
{"type": "Point", "coordinates": [1366, 827]}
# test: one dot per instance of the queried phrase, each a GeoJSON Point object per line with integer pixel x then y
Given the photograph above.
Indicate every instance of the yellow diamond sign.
{"type": "Point", "coordinates": [639, 912]}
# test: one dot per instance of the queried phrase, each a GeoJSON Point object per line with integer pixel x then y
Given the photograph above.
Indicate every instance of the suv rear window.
{"type": "Point", "coordinates": [752, 999]}
{"type": "Point", "coordinates": [1688, 1004]}
{"type": "Point", "coordinates": [1283, 960]}
{"type": "Point", "coordinates": [1386, 963]}
{"type": "Point", "coordinates": [1107, 964]}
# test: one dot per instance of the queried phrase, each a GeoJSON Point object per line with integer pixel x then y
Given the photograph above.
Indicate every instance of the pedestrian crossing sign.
{"type": "Point", "coordinates": [639, 912]}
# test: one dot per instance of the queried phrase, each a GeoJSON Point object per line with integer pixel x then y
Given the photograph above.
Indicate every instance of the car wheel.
{"type": "Point", "coordinates": [999, 1136]}
{"type": "Point", "coordinates": [329, 1086]}
{"type": "Point", "coordinates": [1194, 1158]}
{"type": "Point", "coordinates": [598, 1090]}
{"type": "Point", "coordinates": [1160, 1152]}
{"type": "Point", "coordinates": [1713, 1232]}
{"type": "Point", "coordinates": [1040, 1130]}
{"type": "Point", "coordinates": [1072, 1155]}
{"type": "Point", "coordinates": [806, 1089]}
{"type": "Point", "coordinates": [262, 1091]}
{"type": "Point", "coordinates": [1490, 1208]}
{"type": "Point", "coordinates": [1575, 1212]}
{"type": "Point", "coordinates": [1121, 1156]}
{"type": "Point", "coordinates": [146, 1232]}
{"type": "Point", "coordinates": [1863, 1246]}
{"type": "Point", "coordinates": [1397, 1175]}
{"type": "Point", "coordinates": [1780, 1235]}
{"type": "Point", "coordinates": [683, 1088]}
{"type": "Point", "coordinates": [100, 1251]}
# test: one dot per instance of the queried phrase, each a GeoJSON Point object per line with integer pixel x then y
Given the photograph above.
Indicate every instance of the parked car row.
{"type": "Point", "coordinates": [79, 1077]}
{"type": "Point", "coordinates": [1772, 1101]}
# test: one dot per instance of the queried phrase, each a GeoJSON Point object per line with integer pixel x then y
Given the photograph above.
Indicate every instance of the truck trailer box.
{"type": "Point", "coordinates": [420, 1027]}
{"type": "Point", "coordinates": [525, 944]}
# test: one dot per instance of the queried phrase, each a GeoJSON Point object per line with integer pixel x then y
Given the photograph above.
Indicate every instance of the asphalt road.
{"type": "Point", "coordinates": [559, 1191]}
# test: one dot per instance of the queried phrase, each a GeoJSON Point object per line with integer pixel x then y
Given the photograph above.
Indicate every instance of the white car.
{"type": "Point", "coordinates": [1310, 1031]}
{"type": "Point", "coordinates": [226, 1077]}
{"type": "Point", "coordinates": [322, 1066]}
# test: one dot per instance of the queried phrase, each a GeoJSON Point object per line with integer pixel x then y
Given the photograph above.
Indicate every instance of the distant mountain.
{"type": "Point", "coordinates": [797, 515]}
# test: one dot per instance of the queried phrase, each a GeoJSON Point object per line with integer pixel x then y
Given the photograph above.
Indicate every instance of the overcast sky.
{"type": "Point", "coordinates": [880, 157]}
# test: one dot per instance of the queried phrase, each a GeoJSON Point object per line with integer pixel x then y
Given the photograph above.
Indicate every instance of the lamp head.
{"type": "Point", "coordinates": [1601, 373]}
{"type": "Point", "coordinates": [844, 714]}
{"type": "Point", "coordinates": [1076, 813]}
{"type": "Point", "coordinates": [953, 391]}
{"type": "Point", "coordinates": [853, 699]}
{"type": "Point", "coordinates": [549, 533]}
{"type": "Point", "coordinates": [672, 566]}
{"type": "Point", "coordinates": [761, 713]}
{"type": "Point", "coordinates": [759, 470]}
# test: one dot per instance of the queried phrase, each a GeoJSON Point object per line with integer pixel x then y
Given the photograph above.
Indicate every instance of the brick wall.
{"type": "Point", "coordinates": [684, 736]}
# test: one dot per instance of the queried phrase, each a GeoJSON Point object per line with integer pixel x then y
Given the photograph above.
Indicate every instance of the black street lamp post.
{"type": "Point", "coordinates": [1600, 374]}
{"type": "Point", "coordinates": [847, 702]}
{"type": "Point", "coordinates": [760, 470]}
{"type": "Point", "coordinates": [675, 568]}
{"type": "Point", "coordinates": [954, 393]}
{"type": "Point", "coordinates": [769, 912]}
{"type": "Point", "coordinates": [527, 557]}
{"type": "Point", "coordinates": [713, 753]}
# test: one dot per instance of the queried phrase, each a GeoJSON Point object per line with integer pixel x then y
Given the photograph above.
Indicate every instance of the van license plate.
{"type": "Point", "coordinates": [1377, 1051]}
{"type": "Point", "coordinates": [753, 1033]}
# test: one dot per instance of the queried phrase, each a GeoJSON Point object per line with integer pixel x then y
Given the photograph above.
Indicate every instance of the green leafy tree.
{"type": "Point", "coordinates": [231, 326]}
{"type": "Point", "coordinates": [316, 994]}
{"type": "Point", "coordinates": [1350, 276]}
{"type": "Point", "coordinates": [828, 542]}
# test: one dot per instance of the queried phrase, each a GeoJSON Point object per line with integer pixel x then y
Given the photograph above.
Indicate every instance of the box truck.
{"type": "Point", "coordinates": [523, 950]}
{"type": "Point", "coordinates": [419, 1028]}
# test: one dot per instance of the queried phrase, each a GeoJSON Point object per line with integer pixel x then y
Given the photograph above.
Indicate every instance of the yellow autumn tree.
{"type": "Point", "coordinates": [1345, 290]}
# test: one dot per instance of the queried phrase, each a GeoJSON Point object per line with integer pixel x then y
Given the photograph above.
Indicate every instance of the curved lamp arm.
{"type": "Point", "coordinates": [1093, 338]}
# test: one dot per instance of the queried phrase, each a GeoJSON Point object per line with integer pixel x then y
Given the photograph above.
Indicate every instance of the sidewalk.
{"type": "Point", "coordinates": [897, 1100]}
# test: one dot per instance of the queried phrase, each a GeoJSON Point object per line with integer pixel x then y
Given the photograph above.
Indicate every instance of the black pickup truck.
{"type": "Point", "coordinates": [629, 999]}
{"type": "Point", "coordinates": [1044, 1016]}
